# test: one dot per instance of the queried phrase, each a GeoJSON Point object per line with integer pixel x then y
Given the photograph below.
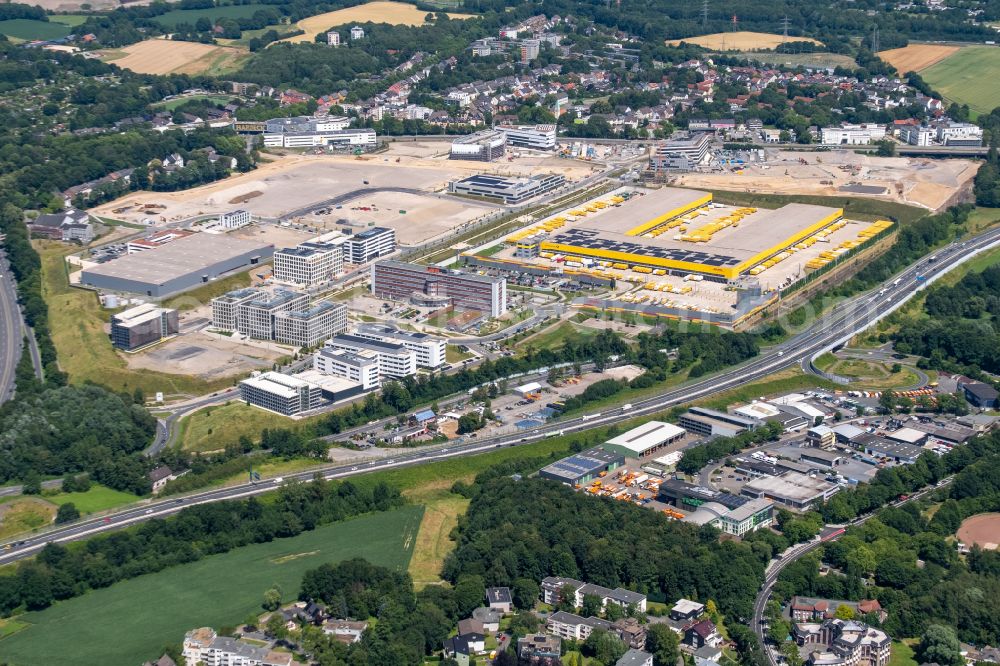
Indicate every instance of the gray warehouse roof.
{"type": "Point", "coordinates": [180, 258]}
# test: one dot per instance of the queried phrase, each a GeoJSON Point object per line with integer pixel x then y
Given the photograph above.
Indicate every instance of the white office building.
{"type": "Point", "coordinates": [280, 393]}
{"type": "Point", "coordinates": [234, 219]}
{"type": "Point", "coordinates": [360, 366]}
{"type": "Point", "coordinates": [852, 135]}
{"type": "Point", "coordinates": [255, 317]}
{"type": "Point", "coordinates": [483, 146]}
{"type": "Point", "coordinates": [960, 134]}
{"type": "Point", "coordinates": [539, 137]}
{"type": "Point", "coordinates": [917, 135]}
{"type": "Point", "coordinates": [308, 326]}
{"type": "Point", "coordinates": [349, 138]}
{"type": "Point", "coordinates": [370, 244]}
{"type": "Point", "coordinates": [430, 349]}
{"type": "Point", "coordinates": [311, 263]}
{"type": "Point", "coordinates": [225, 308]}
{"type": "Point", "coordinates": [394, 360]}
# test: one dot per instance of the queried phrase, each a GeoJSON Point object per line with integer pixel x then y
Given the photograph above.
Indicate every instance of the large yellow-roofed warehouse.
{"type": "Point", "coordinates": [680, 231]}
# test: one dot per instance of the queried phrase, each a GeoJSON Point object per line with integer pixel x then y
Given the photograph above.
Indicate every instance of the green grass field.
{"type": "Point", "coordinates": [172, 18]}
{"type": "Point", "coordinates": [133, 620]}
{"type": "Point", "coordinates": [72, 20]}
{"type": "Point", "coordinates": [970, 76]}
{"type": "Point", "coordinates": [28, 29]}
{"type": "Point", "coordinates": [98, 498]}
{"type": "Point", "coordinates": [174, 103]}
{"type": "Point", "coordinates": [214, 428]}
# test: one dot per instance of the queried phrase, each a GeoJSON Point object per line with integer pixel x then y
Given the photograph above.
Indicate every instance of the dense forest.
{"type": "Point", "coordinates": [199, 531]}
{"type": "Point", "coordinates": [76, 429]}
{"type": "Point", "coordinates": [962, 332]}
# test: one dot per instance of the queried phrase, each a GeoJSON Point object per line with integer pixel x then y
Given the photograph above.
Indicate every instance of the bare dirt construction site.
{"type": "Point", "coordinates": [741, 40]}
{"type": "Point", "coordinates": [393, 13]}
{"type": "Point", "coordinates": [982, 530]}
{"type": "Point", "coordinates": [921, 182]}
{"type": "Point", "coordinates": [296, 187]}
{"type": "Point", "coordinates": [206, 356]}
{"type": "Point", "coordinates": [916, 57]}
{"type": "Point", "coordinates": [165, 56]}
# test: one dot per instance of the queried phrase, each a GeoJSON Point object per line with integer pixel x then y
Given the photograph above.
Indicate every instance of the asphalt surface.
{"type": "Point", "coordinates": [10, 330]}
{"type": "Point", "coordinates": [839, 325]}
{"type": "Point", "coordinates": [831, 533]}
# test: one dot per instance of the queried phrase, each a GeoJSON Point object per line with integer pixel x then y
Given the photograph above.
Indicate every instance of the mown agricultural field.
{"type": "Point", "coordinates": [969, 76]}
{"type": "Point", "coordinates": [136, 618]}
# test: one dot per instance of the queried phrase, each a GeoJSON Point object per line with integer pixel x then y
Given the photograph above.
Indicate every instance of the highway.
{"type": "Point", "coordinates": [10, 330]}
{"type": "Point", "coordinates": [776, 566]}
{"type": "Point", "coordinates": [839, 325]}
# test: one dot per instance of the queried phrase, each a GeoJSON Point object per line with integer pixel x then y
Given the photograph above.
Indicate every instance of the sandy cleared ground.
{"type": "Point", "coordinates": [206, 356]}
{"type": "Point", "coordinates": [916, 57]}
{"type": "Point", "coordinates": [983, 529]}
{"type": "Point", "coordinates": [164, 56]}
{"type": "Point", "coordinates": [921, 182]}
{"type": "Point", "coordinates": [289, 183]}
{"type": "Point", "coordinates": [741, 40]}
{"type": "Point", "coordinates": [393, 13]}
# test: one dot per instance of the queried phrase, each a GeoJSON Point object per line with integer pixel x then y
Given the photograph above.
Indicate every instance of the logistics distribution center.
{"type": "Point", "coordinates": [680, 231]}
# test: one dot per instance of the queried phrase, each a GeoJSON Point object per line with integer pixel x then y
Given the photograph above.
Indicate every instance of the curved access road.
{"type": "Point", "coordinates": [10, 330]}
{"type": "Point", "coordinates": [836, 327]}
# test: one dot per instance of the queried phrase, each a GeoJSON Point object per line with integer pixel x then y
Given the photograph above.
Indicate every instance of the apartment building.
{"type": "Point", "coordinates": [573, 627]}
{"type": "Point", "coordinates": [361, 366]}
{"type": "Point", "coordinates": [400, 281]}
{"type": "Point", "coordinates": [225, 308]}
{"type": "Point", "coordinates": [554, 586]}
{"type": "Point", "coordinates": [203, 646]}
{"type": "Point", "coordinates": [529, 49]}
{"type": "Point", "coordinates": [843, 643]}
{"type": "Point", "coordinates": [369, 245]}
{"type": "Point", "coordinates": [280, 393]}
{"type": "Point", "coordinates": [311, 263]}
{"type": "Point", "coordinates": [539, 137]}
{"type": "Point", "coordinates": [394, 360]}
{"type": "Point", "coordinates": [430, 349]}
{"type": "Point", "coordinates": [234, 219]}
{"type": "Point", "coordinates": [310, 325]}
{"type": "Point", "coordinates": [141, 326]}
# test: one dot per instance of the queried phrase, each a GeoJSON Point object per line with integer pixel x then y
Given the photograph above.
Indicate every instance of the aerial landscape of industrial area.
{"type": "Point", "coordinates": [499, 333]}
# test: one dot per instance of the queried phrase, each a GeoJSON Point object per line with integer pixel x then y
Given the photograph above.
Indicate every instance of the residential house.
{"type": "Point", "coordinates": [469, 627]}
{"type": "Point", "coordinates": [685, 609]}
{"type": "Point", "coordinates": [160, 477]}
{"type": "Point", "coordinates": [809, 609]}
{"type": "Point", "coordinates": [488, 618]}
{"type": "Point", "coordinates": [630, 631]}
{"type": "Point", "coordinates": [635, 657]}
{"type": "Point", "coordinates": [541, 646]}
{"type": "Point", "coordinates": [472, 633]}
{"type": "Point", "coordinates": [345, 631]}
{"type": "Point", "coordinates": [71, 225]}
{"type": "Point", "coordinates": [459, 649]}
{"type": "Point", "coordinates": [553, 586]}
{"type": "Point", "coordinates": [500, 599]}
{"type": "Point", "coordinates": [701, 634]}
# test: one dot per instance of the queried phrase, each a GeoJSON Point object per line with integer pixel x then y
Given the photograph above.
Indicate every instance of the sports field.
{"type": "Point", "coordinates": [165, 56]}
{"type": "Point", "coordinates": [393, 13]}
{"type": "Point", "coordinates": [983, 530]}
{"type": "Point", "coordinates": [969, 76]}
{"type": "Point", "coordinates": [132, 621]}
{"type": "Point", "coordinates": [740, 40]}
{"type": "Point", "coordinates": [28, 29]}
{"type": "Point", "coordinates": [916, 57]}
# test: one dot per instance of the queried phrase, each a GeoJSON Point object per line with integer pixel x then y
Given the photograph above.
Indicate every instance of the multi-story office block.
{"type": "Point", "coordinates": [369, 245]}
{"type": "Point", "coordinates": [399, 281]}
{"type": "Point", "coordinates": [142, 326]}
{"type": "Point", "coordinates": [360, 366]}
{"type": "Point", "coordinates": [310, 325]}
{"type": "Point", "coordinates": [430, 349]}
{"type": "Point", "coordinates": [393, 360]}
